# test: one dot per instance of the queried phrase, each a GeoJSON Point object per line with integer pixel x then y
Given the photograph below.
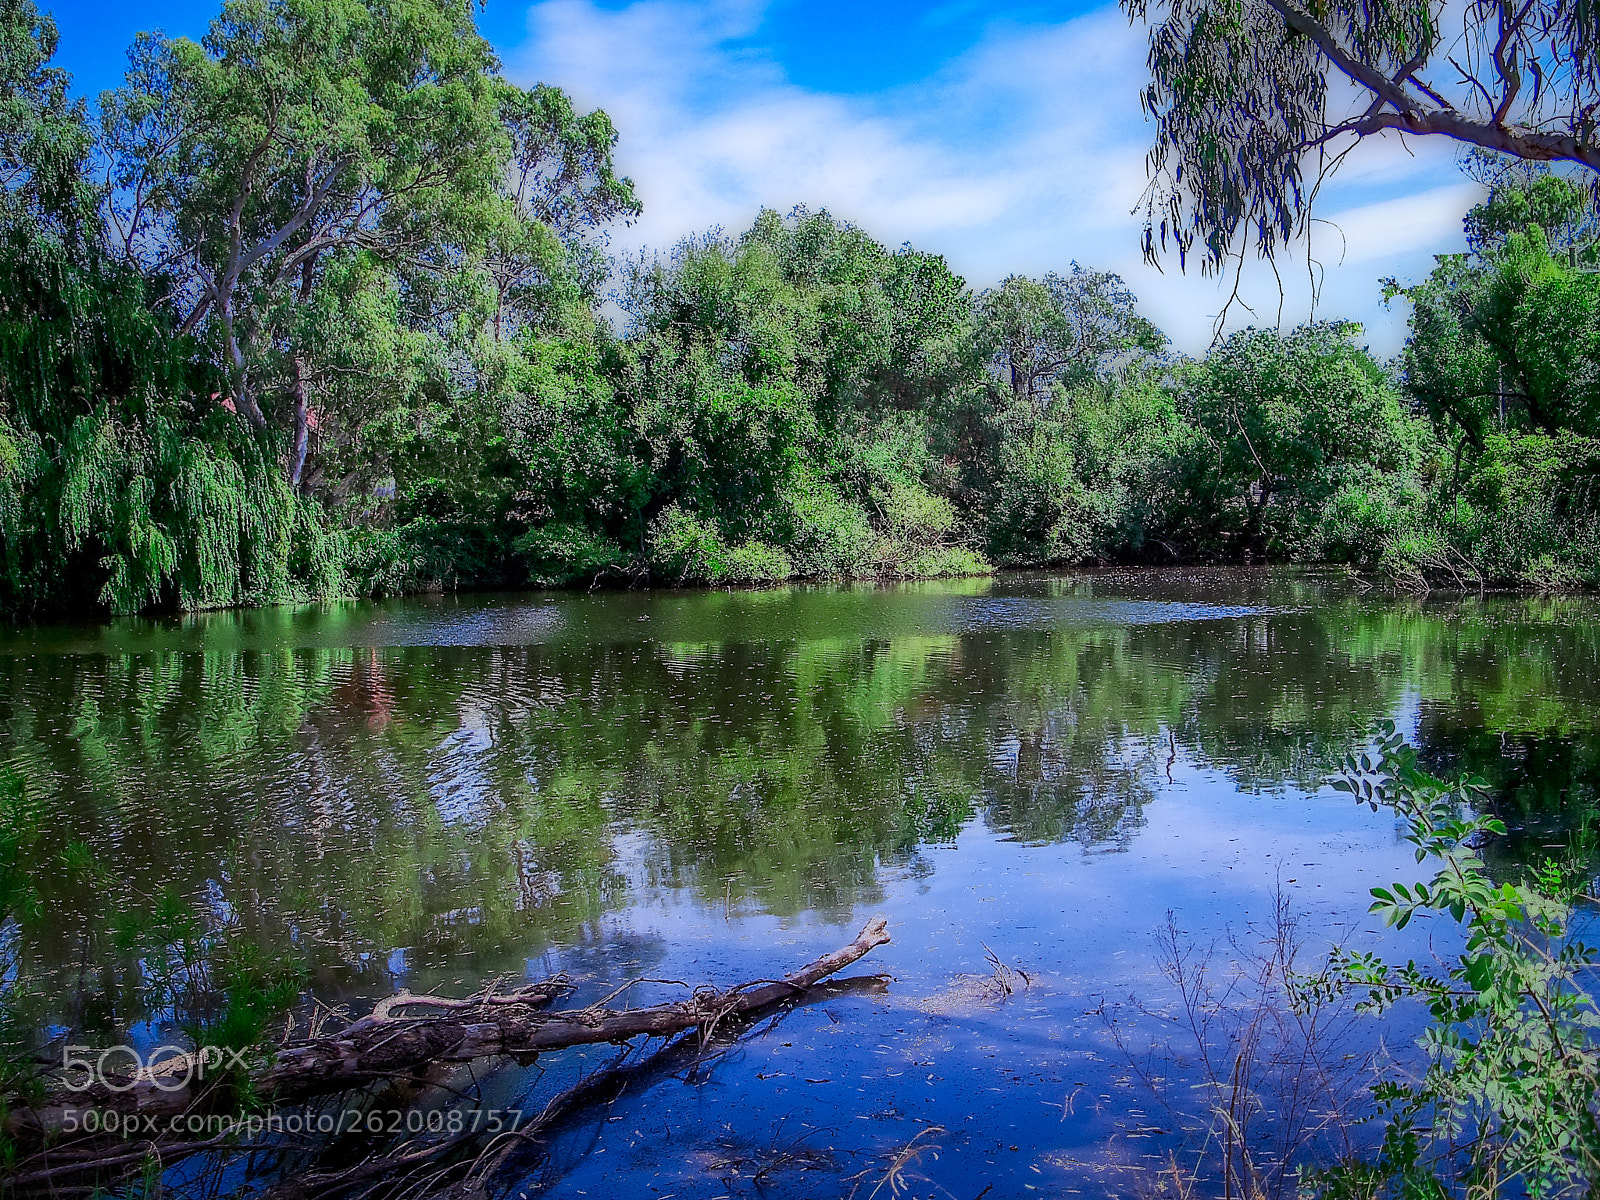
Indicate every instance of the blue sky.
{"type": "Point", "coordinates": [1007, 137]}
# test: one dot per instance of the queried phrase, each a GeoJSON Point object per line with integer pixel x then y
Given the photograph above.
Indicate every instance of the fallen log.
{"type": "Point", "coordinates": [473, 1178]}
{"type": "Point", "coordinates": [406, 1035]}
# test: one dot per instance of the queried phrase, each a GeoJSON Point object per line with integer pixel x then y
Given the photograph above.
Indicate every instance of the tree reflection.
{"type": "Point", "coordinates": [474, 805]}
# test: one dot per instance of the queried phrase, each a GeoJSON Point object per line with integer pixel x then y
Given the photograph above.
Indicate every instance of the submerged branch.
{"type": "Point", "coordinates": [407, 1035]}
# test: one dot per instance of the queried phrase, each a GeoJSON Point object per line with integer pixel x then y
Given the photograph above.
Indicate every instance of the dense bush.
{"type": "Point", "coordinates": [686, 549]}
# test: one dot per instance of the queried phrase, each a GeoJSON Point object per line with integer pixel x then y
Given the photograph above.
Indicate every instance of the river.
{"type": "Point", "coordinates": [716, 786]}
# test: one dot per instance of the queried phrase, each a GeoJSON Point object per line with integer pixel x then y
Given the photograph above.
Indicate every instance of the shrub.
{"type": "Point", "coordinates": [915, 538]}
{"type": "Point", "coordinates": [1536, 500]}
{"type": "Point", "coordinates": [828, 535]}
{"type": "Point", "coordinates": [1368, 522]}
{"type": "Point", "coordinates": [1041, 514]}
{"type": "Point", "coordinates": [688, 549]}
{"type": "Point", "coordinates": [560, 554]}
{"type": "Point", "coordinates": [423, 555]}
{"type": "Point", "coordinates": [1505, 1102]}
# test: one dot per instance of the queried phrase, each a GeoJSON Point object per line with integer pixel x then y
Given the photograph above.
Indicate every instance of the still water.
{"type": "Point", "coordinates": [715, 787]}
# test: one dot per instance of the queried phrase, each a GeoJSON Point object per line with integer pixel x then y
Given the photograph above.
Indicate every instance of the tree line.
{"type": "Point", "coordinates": [314, 306]}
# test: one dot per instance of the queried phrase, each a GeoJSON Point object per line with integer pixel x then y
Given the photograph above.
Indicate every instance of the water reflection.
{"type": "Point", "coordinates": [448, 788]}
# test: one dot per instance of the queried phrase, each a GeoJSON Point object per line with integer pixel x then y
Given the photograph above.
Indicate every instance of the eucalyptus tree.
{"type": "Point", "coordinates": [1062, 330]}
{"type": "Point", "coordinates": [511, 446]}
{"type": "Point", "coordinates": [300, 139]}
{"type": "Point", "coordinates": [44, 134]}
{"type": "Point", "coordinates": [1256, 100]}
{"type": "Point", "coordinates": [564, 190]}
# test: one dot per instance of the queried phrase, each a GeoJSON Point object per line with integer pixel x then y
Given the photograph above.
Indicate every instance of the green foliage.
{"type": "Point", "coordinates": [1554, 335]}
{"type": "Point", "coordinates": [561, 554]}
{"type": "Point", "coordinates": [1256, 105]}
{"type": "Point", "coordinates": [293, 133]}
{"type": "Point", "coordinates": [1042, 515]}
{"type": "Point", "coordinates": [825, 534]}
{"type": "Point", "coordinates": [1529, 510]}
{"type": "Point", "coordinates": [916, 535]}
{"type": "Point", "coordinates": [563, 188]}
{"type": "Point", "coordinates": [251, 992]}
{"type": "Point", "coordinates": [423, 555]}
{"type": "Point", "coordinates": [1286, 420]}
{"type": "Point", "coordinates": [44, 135]}
{"type": "Point", "coordinates": [1507, 339]}
{"type": "Point", "coordinates": [112, 488]}
{"type": "Point", "coordinates": [209, 979]}
{"type": "Point", "coordinates": [1504, 358]}
{"type": "Point", "coordinates": [335, 323]}
{"type": "Point", "coordinates": [206, 976]}
{"type": "Point", "coordinates": [1448, 366]}
{"type": "Point", "coordinates": [1375, 522]}
{"type": "Point", "coordinates": [1506, 1099]}
{"type": "Point", "coordinates": [775, 400]}
{"type": "Point", "coordinates": [1061, 332]}
{"type": "Point", "coordinates": [1531, 193]}
{"type": "Point", "coordinates": [685, 548]}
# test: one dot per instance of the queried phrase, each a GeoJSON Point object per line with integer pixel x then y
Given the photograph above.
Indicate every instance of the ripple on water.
{"type": "Point", "coordinates": [448, 790]}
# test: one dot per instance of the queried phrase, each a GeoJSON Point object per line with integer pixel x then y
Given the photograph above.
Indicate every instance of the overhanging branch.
{"type": "Point", "coordinates": [1410, 116]}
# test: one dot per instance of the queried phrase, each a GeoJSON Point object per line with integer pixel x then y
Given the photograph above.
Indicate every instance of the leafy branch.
{"type": "Point", "coordinates": [1506, 1100]}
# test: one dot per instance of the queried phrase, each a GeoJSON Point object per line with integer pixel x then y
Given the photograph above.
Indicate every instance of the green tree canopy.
{"type": "Point", "coordinates": [564, 190]}
{"type": "Point", "coordinates": [1285, 417]}
{"type": "Point", "coordinates": [1505, 337]}
{"type": "Point", "coordinates": [44, 135]}
{"type": "Point", "coordinates": [296, 132]}
{"type": "Point", "coordinates": [1528, 193]}
{"type": "Point", "coordinates": [1061, 331]}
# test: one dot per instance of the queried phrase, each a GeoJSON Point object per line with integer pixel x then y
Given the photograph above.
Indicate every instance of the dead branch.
{"type": "Point", "coordinates": [407, 1035]}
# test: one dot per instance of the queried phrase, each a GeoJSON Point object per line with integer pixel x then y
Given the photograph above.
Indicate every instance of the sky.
{"type": "Point", "coordinates": [1006, 136]}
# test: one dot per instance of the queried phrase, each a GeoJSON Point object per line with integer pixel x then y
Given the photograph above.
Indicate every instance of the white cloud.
{"type": "Point", "coordinates": [1021, 155]}
{"type": "Point", "coordinates": [1384, 231]}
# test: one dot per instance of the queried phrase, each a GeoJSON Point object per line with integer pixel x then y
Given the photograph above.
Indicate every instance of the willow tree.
{"type": "Point", "coordinates": [114, 490]}
{"type": "Point", "coordinates": [1254, 101]}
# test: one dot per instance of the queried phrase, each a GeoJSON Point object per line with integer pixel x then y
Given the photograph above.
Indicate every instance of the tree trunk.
{"type": "Point", "coordinates": [302, 423]}
{"type": "Point", "coordinates": [239, 374]}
